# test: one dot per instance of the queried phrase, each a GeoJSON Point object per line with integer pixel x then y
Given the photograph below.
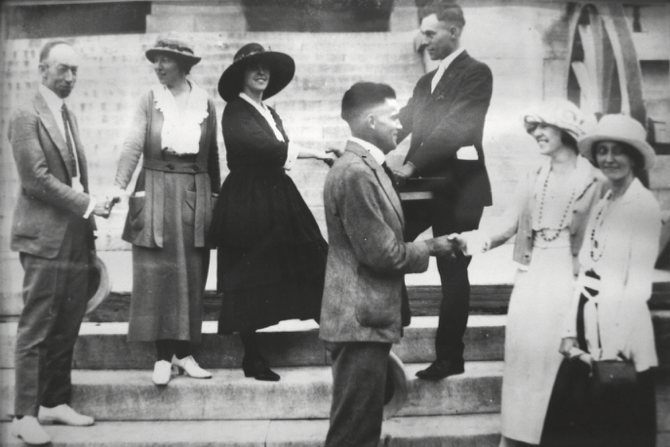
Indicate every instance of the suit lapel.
{"type": "Point", "coordinates": [454, 68]}
{"type": "Point", "coordinates": [381, 176]}
{"type": "Point", "coordinates": [49, 122]}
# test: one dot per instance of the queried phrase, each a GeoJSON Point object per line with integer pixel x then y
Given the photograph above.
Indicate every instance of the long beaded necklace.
{"type": "Point", "coordinates": [544, 232]}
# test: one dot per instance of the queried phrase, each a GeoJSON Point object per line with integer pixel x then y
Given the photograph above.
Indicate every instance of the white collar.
{"type": "Point", "coordinates": [52, 99]}
{"type": "Point", "coordinates": [446, 62]}
{"type": "Point", "coordinates": [265, 113]}
{"type": "Point", "coordinates": [376, 153]}
{"type": "Point", "coordinates": [248, 99]}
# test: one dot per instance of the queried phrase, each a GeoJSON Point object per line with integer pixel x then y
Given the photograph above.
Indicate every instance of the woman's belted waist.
{"type": "Point", "coordinates": [175, 167]}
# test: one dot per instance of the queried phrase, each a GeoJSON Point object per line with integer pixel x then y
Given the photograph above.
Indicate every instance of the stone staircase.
{"type": "Point", "coordinates": [112, 381]}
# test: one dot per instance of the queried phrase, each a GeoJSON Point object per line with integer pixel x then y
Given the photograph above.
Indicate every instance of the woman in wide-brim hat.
{"type": "Point", "coordinates": [271, 254]}
{"type": "Point", "coordinates": [615, 281]}
{"type": "Point", "coordinates": [174, 132]}
{"type": "Point", "coordinates": [547, 218]}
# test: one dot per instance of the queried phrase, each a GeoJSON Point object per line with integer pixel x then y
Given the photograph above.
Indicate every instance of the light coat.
{"type": "Point", "coordinates": [367, 258]}
{"type": "Point", "coordinates": [46, 200]}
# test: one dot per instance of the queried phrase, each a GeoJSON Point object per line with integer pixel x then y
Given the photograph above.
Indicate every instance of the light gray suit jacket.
{"type": "Point", "coordinates": [46, 201]}
{"type": "Point", "coordinates": [367, 258]}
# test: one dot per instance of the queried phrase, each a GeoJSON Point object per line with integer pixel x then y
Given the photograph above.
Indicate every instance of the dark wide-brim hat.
{"type": "Point", "coordinates": [176, 46]}
{"type": "Point", "coordinates": [282, 69]}
{"type": "Point", "coordinates": [99, 285]}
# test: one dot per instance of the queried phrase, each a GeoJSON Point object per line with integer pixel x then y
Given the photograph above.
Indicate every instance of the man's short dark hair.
{"type": "Point", "coordinates": [445, 10]}
{"type": "Point", "coordinates": [46, 49]}
{"type": "Point", "coordinates": [362, 96]}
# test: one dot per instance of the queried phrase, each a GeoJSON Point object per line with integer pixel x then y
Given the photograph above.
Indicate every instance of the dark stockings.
{"type": "Point", "coordinates": [166, 348]}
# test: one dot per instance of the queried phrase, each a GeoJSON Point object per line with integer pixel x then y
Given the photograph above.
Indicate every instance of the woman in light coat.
{"type": "Point", "coordinates": [547, 217]}
{"type": "Point", "coordinates": [615, 280]}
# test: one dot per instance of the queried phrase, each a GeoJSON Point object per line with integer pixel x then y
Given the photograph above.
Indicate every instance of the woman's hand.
{"type": "Point", "coordinates": [316, 154]}
{"type": "Point", "coordinates": [568, 344]}
{"type": "Point", "coordinates": [335, 151]}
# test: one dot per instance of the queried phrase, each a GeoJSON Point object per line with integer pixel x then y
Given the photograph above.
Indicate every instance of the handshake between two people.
{"type": "Point", "coordinates": [467, 243]}
{"type": "Point", "coordinates": [103, 208]}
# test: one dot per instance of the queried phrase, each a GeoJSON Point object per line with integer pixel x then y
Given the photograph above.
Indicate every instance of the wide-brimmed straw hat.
{"type": "Point", "coordinates": [562, 114]}
{"type": "Point", "coordinates": [282, 69]}
{"type": "Point", "coordinates": [623, 129]}
{"type": "Point", "coordinates": [179, 47]}
{"type": "Point", "coordinates": [99, 285]}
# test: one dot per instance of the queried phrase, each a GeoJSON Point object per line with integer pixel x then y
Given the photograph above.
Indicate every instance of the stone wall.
{"type": "Point", "coordinates": [524, 43]}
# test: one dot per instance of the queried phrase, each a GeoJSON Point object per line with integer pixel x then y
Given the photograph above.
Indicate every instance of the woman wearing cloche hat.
{"type": "Point", "coordinates": [547, 218]}
{"type": "Point", "coordinates": [610, 319]}
{"type": "Point", "coordinates": [271, 255]}
{"type": "Point", "coordinates": [174, 129]}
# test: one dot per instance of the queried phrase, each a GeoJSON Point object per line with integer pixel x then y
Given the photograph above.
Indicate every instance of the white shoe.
{"type": "Point", "coordinates": [63, 414]}
{"type": "Point", "coordinates": [28, 429]}
{"type": "Point", "coordinates": [191, 367]}
{"type": "Point", "coordinates": [162, 372]}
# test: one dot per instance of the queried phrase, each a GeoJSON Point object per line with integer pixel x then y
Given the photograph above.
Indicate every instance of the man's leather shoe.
{"type": "Point", "coordinates": [258, 368]}
{"type": "Point", "coordinates": [63, 414]}
{"type": "Point", "coordinates": [441, 369]}
{"type": "Point", "coordinates": [28, 429]}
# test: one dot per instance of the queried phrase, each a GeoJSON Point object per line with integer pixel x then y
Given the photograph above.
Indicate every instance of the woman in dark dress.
{"type": "Point", "coordinates": [271, 255]}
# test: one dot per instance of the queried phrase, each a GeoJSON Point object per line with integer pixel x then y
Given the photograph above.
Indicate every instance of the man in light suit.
{"type": "Point", "coordinates": [367, 261]}
{"type": "Point", "coordinates": [446, 119]}
{"type": "Point", "coordinates": [52, 230]}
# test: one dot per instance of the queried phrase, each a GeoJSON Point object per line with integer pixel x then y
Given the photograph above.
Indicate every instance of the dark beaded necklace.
{"type": "Point", "coordinates": [544, 231]}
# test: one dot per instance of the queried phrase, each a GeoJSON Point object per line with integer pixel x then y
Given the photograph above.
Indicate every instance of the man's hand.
{"type": "Point", "coordinates": [441, 246]}
{"type": "Point", "coordinates": [404, 173]}
{"type": "Point", "coordinates": [105, 208]}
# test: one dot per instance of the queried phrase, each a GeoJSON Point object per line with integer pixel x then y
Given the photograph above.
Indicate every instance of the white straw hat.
{"type": "Point", "coordinates": [562, 114]}
{"type": "Point", "coordinates": [620, 128]}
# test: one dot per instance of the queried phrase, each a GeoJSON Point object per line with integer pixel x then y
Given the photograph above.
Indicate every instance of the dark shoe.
{"type": "Point", "coordinates": [441, 369]}
{"type": "Point", "coordinates": [258, 368]}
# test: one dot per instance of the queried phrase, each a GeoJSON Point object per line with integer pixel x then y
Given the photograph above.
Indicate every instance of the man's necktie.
{"type": "Point", "coordinates": [68, 140]}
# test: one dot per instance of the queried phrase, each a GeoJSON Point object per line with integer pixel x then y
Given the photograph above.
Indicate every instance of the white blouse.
{"type": "Point", "coordinates": [180, 134]}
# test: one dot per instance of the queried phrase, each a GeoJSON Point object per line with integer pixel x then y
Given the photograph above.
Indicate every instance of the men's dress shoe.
{"type": "Point", "coordinates": [190, 367]}
{"type": "Point", "coordinates": [258, 368]}
{"type": "Point", "coordinates": [440, 369]}
{"type": "Point", "coordinates": [28, 429]}
{"type": "Point", "coordinates": [63, 414]}
{"type": "Point", "coordinates": [162, 372]}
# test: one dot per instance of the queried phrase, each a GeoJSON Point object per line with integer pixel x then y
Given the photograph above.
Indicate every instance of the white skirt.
{"type": "Point", "coordinates": [535, 325]}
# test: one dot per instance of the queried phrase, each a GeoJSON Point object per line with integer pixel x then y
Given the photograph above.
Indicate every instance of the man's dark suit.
{"type": "Point", "coordinates": [442, 122]}
{"type": "Point", "coordinates": [56, 250]}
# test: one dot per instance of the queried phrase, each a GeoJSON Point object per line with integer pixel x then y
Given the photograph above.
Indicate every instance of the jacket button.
{"type": "Point", "coordinates": [170, 166]}
{"type": "Point", "coordinates": [196, 168]}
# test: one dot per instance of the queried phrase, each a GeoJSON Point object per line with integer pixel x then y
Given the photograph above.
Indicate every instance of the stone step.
{"type": "Point", "coordinates": [302, 393]}
{"type": "Point", "coordinates": [290, 343]}
{"type": "Point", "coordinates": [478, 430]}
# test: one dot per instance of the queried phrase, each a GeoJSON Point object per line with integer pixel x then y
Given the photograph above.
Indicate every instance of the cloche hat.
{"type": "Point", "coordinates": [282, 69]}
{"type": "Point", "coordinates": [173, 45]}
{"type": "Point", "coordinates": [562, 114]}
{"type": "Point", "coordinates": [620, 128]}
